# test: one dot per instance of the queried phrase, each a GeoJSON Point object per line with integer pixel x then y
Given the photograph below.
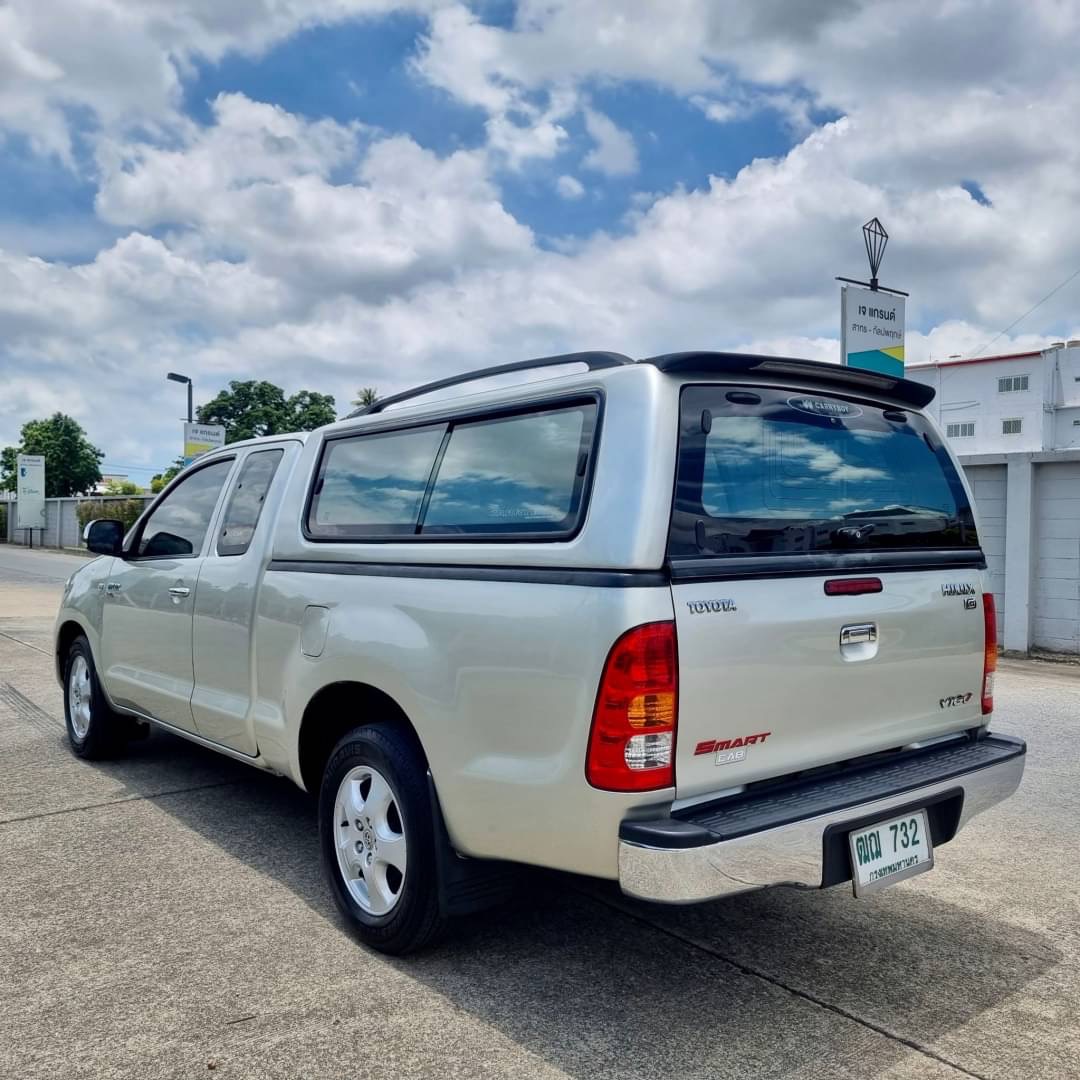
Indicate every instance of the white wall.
{"type": "Point", "coordinates": [61, 521]}
{"type": "Point", "coordinates": [1028, 507]}
{"type": "Point", "coordinates": [989, 486]}
{"type": "Point", "coordinates": [1067, 375]}
{"type": "Point", "coordinates": [967, 392]}
{"type": "Point", "coordinates": [1056, 615]}
{"type": "Point", "coordinates": [1067, 428]}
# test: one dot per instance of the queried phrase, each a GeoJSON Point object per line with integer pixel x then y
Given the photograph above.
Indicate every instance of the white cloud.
{"type": "Point", "coordinates": [614, 153]}
{"type": "Point", "coordinates": [257, 185]}
{"type": "Point", "coordinates": [123, 60]}
{"type": "Point", "coordinates": [527, 132]}
{"type": "Point", "coordinates": [569, 187]}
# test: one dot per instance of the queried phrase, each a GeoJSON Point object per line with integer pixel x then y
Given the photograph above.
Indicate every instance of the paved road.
{"type": "Point", "coordinates": [164, 916]}
{"type": "Point", "coordinates": [22, 565]}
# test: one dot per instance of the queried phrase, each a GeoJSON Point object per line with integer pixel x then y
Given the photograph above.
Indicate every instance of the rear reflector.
{"type": "Point", "coordinates": [989, 653]}
{"type": "Point", "coordinates": [852, 586]}
{"type": "Point", "coordinates": [632, 742]}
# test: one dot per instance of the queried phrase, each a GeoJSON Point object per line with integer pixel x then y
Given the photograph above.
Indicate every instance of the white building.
{"type": "Point", "coordinates": [1026, 401]}
{"type": "Point", "coordinates": [1014, 421]}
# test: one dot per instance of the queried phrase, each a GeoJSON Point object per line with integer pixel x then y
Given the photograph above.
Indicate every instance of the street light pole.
{"type": "Point", "coordinates": [174, 377]}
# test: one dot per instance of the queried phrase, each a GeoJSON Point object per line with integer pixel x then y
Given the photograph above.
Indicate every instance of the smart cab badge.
{"type": "Point", "coordinates": [730, 751]}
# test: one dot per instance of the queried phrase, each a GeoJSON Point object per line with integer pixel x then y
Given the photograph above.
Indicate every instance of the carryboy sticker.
{"type": "Point", "coordinates": [824, 407]}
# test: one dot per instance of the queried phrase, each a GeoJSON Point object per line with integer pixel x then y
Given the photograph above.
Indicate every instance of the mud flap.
{"type": "Point", "coordinates": [467, 885]}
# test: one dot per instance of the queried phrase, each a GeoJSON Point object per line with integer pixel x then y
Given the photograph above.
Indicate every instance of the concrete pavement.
{"type": "Point", "coordinates": [164, 915]}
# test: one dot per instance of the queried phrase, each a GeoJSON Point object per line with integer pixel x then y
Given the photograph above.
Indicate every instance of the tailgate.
{"type": "Point", "coordinates": [770, 683]}
{"type": "Point", "coordinates": [778, 494]}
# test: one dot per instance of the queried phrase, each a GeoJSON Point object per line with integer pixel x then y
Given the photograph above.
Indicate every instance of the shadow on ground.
{"type": "Point", "coordinates": [597, 985]}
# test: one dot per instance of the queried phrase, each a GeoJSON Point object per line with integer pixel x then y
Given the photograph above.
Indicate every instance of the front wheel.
{"type": "Point", "coordinates": [377, 839]}
{"type": "Point", "coordinates": [93, 729]}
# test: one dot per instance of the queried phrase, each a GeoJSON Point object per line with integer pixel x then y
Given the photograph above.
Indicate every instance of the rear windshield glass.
{"type": "Point", "coordinates": [765, 471]}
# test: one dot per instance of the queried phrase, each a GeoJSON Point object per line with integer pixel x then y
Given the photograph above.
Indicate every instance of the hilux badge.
{"type": "Point", "coordinates": [952, 588]}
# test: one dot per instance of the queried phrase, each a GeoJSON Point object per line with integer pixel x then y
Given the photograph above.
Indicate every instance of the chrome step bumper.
{"type": "Point", "coordinates": [796, 834]}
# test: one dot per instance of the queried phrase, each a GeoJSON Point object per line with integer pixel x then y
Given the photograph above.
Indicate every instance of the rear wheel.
{"type": "Point", "coordinates": [94, 730]}
{"type": "Point", "coordinates": [377, 839]}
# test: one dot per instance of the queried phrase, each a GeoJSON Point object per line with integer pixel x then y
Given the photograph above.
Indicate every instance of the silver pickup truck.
{"type": "Point", "coordinates": [700, 624]}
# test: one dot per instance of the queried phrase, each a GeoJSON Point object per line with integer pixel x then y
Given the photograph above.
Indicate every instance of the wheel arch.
{"type": "Point", "coordinates": [336, 709]}
{"type": "Point", "coordinates": [66, 633]}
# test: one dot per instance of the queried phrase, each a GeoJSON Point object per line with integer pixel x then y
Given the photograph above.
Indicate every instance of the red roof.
{"type": "Point", "coordinates": [979, 359]}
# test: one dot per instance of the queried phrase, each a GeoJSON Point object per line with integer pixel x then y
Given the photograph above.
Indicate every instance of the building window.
{"type": "Point", "coordinates": [1010, 384]}
{"type": "Point", "coordinates": [1012, 427]}
{"type": "Point", "coordinates": [960, 431]}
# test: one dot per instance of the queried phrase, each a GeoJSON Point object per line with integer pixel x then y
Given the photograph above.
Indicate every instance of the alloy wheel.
{"type": "Point", "coordinates": [369, 836]}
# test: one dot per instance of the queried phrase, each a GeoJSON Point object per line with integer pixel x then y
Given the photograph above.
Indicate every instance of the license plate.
{"type": "Point", "coordinates": [890, 851]}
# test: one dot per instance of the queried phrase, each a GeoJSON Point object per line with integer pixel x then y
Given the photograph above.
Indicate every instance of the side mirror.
{"type": "Point", "coordinates": [104, 536]}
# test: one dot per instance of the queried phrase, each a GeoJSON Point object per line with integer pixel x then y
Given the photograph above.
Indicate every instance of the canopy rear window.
{"type": "Point", "coordinates": [766, 471]}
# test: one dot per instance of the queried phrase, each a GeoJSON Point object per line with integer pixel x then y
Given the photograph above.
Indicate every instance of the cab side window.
{"type": "Point", "coordinates": [177, 527]}
{"type": "Point", "coordinates": [374, 485]}
{"type": "Point", "coordinates": [246, 501]}
{"type": "Point", "coordinates": [513, 476]}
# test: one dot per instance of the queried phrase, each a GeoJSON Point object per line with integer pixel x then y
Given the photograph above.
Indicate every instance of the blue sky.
{"type": "Point", "coordinates": [362, 72]}
{"type": "Point", "coordinates": [336, 193]}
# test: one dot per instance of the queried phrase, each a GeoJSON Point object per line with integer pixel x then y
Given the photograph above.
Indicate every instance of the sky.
{"type": "Point", "coordinates": [332, 194]}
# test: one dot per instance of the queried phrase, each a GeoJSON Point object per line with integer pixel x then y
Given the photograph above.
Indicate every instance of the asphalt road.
{"type": "Point", "coordinates": [164, 915]}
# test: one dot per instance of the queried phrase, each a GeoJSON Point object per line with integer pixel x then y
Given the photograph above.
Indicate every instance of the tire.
{"type": "Point", "coordinates": [377, 840]}
{"type": "Point", "coordinates": [93, 729]}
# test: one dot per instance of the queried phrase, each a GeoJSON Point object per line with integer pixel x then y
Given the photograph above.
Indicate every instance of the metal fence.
{"type": "Point", "coordinates": [61, 521]}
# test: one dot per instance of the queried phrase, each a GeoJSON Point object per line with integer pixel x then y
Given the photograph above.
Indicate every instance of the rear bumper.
{"type": "Point", "coordinates": [796, 834]}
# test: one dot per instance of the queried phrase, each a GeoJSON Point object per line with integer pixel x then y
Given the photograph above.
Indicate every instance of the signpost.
{"type": "Point", "coordinates": [873, 330]}
{"type": "Point", "coordinates": [872, 316]}
{"type": "Point", "coordinates": [30, 492]}
{"type": "Point", "coordinates": [201, 438]}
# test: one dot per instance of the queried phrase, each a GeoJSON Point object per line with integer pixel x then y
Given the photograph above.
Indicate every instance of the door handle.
{"type": "Point", "coordinates": [179, 590]}
{"type": "Point", "coordinates": [858, 635]}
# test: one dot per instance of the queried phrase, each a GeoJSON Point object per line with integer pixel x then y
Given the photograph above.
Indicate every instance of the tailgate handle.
{"type": "Point", "coordinates": [858, 634]}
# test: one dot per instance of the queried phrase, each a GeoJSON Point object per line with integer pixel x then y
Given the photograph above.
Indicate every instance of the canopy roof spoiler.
{"type": "Point", "coordinates": [725, 363]}
{"type": "Point", "coordinates": [594, 361]}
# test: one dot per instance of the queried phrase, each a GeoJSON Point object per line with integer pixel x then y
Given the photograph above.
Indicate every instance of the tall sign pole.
{"type": "Point", "coordinates": [871, 315]}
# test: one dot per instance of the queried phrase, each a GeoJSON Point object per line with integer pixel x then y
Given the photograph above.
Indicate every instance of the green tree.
{"type": "Point", "coordinates": [72, 462]}
{"type": "Point", "coordinates": [125, 510]}
{"type": "Point", "coordinates": [366, 396]}
{"type": "Point", "coordinates": [7, 468]}
{"type": "Point", "coordinates": [255, 407]}
{"type": "Point", "coordinates": [311, 410]}
{"type": "Point", "coordinates": [122, 487]}
{"type": "Point", "coordinates": [159, 480]}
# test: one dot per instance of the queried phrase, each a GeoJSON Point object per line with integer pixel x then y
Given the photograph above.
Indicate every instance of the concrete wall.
{"type": "Point", "coordinates": [61, 523]}
{"type": "Point", "coordinates": [1056, 587]}
{"type": "Point", "coordinates": [990, 486]}
{"type": "Point", "coordinates": [1067, 428]}
{"type": "Point", "coordinates": [1029, 516]}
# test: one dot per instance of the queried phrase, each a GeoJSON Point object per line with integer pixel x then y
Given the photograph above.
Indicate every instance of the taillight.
{"type": "Point", "coordinates": [989, 653]}
{"type": "Point", "coordinates": [632, 742]}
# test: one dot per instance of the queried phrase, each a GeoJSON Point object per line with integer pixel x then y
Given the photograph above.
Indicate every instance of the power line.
{"type": "Point", "coordinates": [130, 468]}
{"type": "Point", "coordinates": [1056, 289]}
